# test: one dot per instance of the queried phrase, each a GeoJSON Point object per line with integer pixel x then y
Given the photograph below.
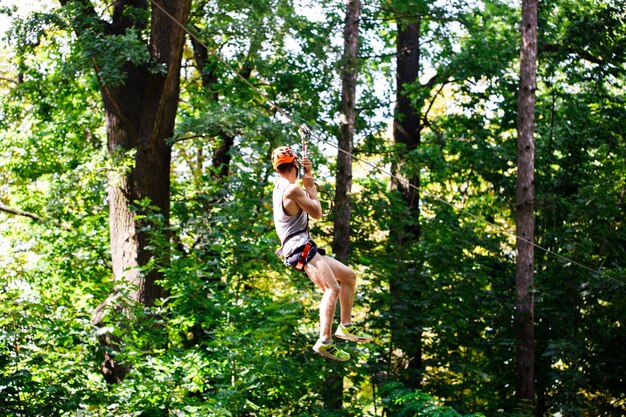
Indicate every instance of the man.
{"type": "Point", "coordinates": [292, 207]}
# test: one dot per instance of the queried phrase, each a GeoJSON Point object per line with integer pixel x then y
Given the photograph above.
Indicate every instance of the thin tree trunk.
{"type": "Point", "coordinates": [524, 302]}
{"type": "Point", "coordinates": [350, 71]}
{"type": "Point", "coordinates": [333, 388]}
{"type": "Point", "coordinates": [406, 123]}
{"type": "Point", "coordinates": [406, 332]}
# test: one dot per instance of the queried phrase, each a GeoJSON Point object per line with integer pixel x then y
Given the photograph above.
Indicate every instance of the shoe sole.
{"type": "Point", "coordinates": [329, 356]}
{"type": "Point", "coordinates": [353, 338]}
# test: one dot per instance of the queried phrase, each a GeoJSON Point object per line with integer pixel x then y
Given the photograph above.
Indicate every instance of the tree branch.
{"type": "Point", "coordinates": [88, 8]}
{"type": "Point", "coordinates": [19, 212]}
{"type": "Point", "coordinates": [397, 15]}
{"type": "Point", "coordinates": [551, 47]}
{"type": "Point", "coordinates": [9, 80]}
{"type": "Point", "coordinates": [432, 102]}
{"type": "Point", "coordinates": [183, 138]}
{"type": "Point", "coordinates": [167, 41]}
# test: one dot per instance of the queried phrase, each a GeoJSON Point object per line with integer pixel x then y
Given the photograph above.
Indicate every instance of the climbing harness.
{"type": "Point", "coordinates": [279, 252]}
{"type": "Point", "coordinates": [301, 255]}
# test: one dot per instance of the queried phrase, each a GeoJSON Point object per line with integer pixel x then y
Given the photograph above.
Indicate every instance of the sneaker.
{"type": "Point", "coordinates": [353, 333]}
{"type": "Point", "coordinates": [331, 351]}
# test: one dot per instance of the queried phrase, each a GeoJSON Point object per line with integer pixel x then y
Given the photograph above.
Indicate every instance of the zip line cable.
{"type": "Point", "coordinates": [302, 127]}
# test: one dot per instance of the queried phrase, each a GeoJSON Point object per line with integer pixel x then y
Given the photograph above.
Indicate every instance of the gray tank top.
{"type": "Point", "coordinates": [285, 224]}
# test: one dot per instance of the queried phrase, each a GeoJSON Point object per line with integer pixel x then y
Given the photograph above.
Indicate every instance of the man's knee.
{"type": "Point", "coordinates": [349, 277]}
{"type": "Point", "coordinates": [334, 289]}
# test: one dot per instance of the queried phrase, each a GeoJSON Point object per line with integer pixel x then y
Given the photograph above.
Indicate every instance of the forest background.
{"type": "Point", "coordinates": [110, 148]}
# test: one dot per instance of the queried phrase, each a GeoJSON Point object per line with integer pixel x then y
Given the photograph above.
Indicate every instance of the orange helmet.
{"type": "Point", "coordinates": [283, 155]}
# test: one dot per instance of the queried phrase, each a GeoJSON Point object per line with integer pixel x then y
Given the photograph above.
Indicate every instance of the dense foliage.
{"type": "Point", "coordinates": [233, 336]}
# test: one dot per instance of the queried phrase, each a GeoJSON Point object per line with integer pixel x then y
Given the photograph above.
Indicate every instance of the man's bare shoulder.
{"type": "Point", "coordinates": [293, 191]}
{"type": "Point", "coordinates": [291, 198]}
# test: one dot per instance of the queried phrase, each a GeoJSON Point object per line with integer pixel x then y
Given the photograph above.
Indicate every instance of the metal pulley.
{"type": "Point", "coordinates": [305, 135]}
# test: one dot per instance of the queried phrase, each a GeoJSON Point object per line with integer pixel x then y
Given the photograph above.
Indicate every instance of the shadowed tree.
{"type": "Point", "coordinates": [406, 337]}
{"type": "Point", "coordinates": [343, 179]}
{"type": "Point", "coordinates": [140, 104]}
{"type": "Point", "coordinates": [349, 74]}
{"type": "Point", "coordinates": [524, 208]}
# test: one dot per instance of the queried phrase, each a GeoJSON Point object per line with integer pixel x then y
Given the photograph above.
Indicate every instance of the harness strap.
{"type": "Point", "coordinates": [294, 234]}
{"type": "Point", "coordinates": [303, 256]}
{"type": "Point", "coordinates": [279, 252]}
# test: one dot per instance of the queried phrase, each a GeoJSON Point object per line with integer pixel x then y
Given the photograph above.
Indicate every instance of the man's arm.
{"type": "Point", "coordinates": [309, 202]}
{"type": "Point", "coordinates": [306, 201]}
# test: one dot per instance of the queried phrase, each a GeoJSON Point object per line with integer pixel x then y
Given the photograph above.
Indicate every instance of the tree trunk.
{"type": "Point", "coordinates": [406, 333]}
{"type": "Point", "coordinates": [524, 301]}
{"type": "Point", "coordinates": [333, 387]}
{"type": "Point", "coordinates": [140, 113]}
{"type": "Point", "coordinates": [350, 71]}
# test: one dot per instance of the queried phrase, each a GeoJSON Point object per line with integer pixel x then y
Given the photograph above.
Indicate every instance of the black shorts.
{"type": "Point", "coordinates": [293, 259]}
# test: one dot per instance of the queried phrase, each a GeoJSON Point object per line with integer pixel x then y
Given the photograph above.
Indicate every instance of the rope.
{"type": "Point", "coordinates": [309, 134]}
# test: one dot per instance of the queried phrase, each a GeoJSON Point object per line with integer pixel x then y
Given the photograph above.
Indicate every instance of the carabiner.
{"type": "Point", "coordinates": [305, 135]}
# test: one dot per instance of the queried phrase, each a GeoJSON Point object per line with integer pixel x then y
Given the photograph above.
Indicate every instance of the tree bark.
{"type": "Point", "coordinates": [406, 333]}
{"type": "Point", "coordinates": [343, 179]}
{"type": "Point", "coordinates": [333, 387]}
{"type": "Point", "coordinates": [524, 302]}
{"type": "Point", "coordinates": [406, 123]}
{"type": "Point", "coordinates": [140, 114]}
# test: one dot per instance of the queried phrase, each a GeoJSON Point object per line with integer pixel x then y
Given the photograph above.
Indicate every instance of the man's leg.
{"type": "Point", "coordinates": [322, 275]}
{"type": "Point", "coordinates": [347, 278]}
